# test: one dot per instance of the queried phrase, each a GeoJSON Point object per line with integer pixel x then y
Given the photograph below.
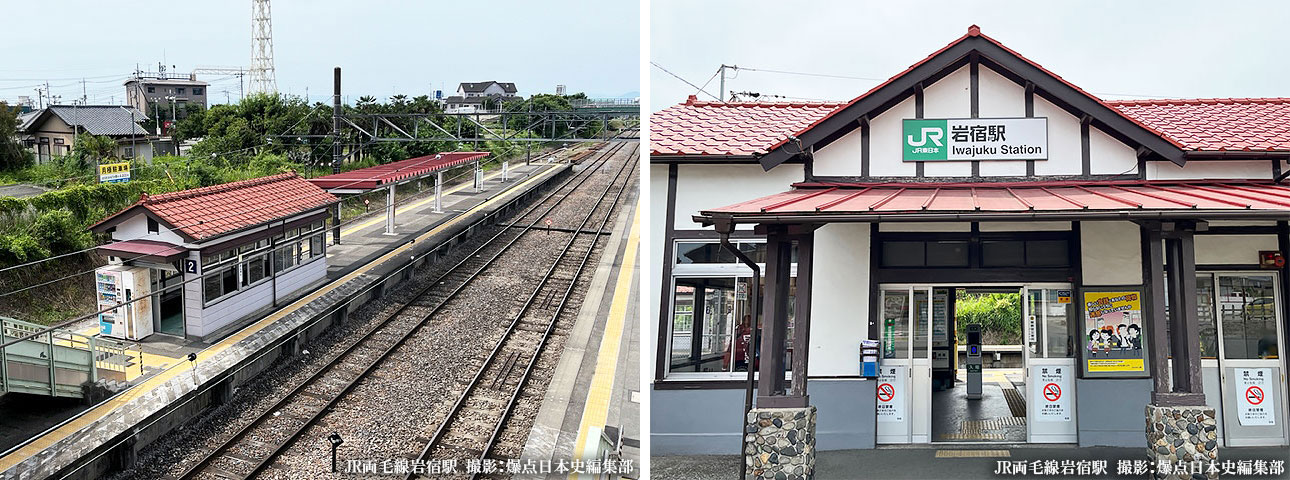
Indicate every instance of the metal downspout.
{"type": "Point", "coordinates": [751, 349]}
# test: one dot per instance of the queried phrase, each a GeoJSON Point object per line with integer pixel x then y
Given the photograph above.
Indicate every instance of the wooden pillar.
{"type": "Point", "coordinates": [1184, 323]}
{"type": "Point", "coordinates": [802, 315]}
{"type": "Point", "coordinates": [770, 386]}
{"type": "Point", "coordinates": [1157, 338]}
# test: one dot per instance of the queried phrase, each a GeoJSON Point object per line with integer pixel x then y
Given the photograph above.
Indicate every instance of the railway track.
{"type": "Point", "coordinates": [255, 446]}
{"type": "Point", "coordinates": [476, 421]}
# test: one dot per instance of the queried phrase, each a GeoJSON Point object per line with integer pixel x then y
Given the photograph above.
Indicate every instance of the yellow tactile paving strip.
{"type": "Point", "coordinates": [109, 406]}
{"type": "Point", "coordinates": [596, 410]}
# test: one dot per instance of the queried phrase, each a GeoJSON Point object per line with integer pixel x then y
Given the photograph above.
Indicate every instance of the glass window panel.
{"type": "Point", "coordinates": [895, 324]}
{"type": "Point", "coordinates": [228, 278]}
{"type": "Point", "coordinates": [921, 328]}
{"type": "Point", "coordinates": [703, 314]}
{"type": "Point", "coordinates": [317, 245]}
{"type": "Point", "coordinates": [738, 358]}
{"type": "Point", "coordinates": [687, 252]}
{"type": "Point", "coordinates": [1035, 310]}
{"type": "Point", "coordinates": [947, 254]}
{"type": "Point", "coordinates": [1048, 253]}
{"type": "Point", "coordinates": [211, 287]}
{"type": "Point", "coordinates": [1003, 253]}
{"type": "Point", "coordinates": [1205, 315]}
{"type": "Point", "coordinates": [754, 251]}
{"type": "Point", "coordinates": [903, 254]}
{"type": "Point", "coordinates": [1248, 309]}
{"type": "Point", "coordinates": [1057, 334]}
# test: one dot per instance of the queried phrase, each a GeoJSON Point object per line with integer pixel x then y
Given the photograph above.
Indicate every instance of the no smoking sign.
{"type": "Point", "coordinates": [886, 392]}
{"type": "Point", "coordinates": [1052, 392]}
{"type": "Point", "coordinates": [1254, 395]}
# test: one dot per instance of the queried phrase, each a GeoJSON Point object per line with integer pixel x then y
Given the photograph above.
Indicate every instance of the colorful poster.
{"type": "Point", "coordinates": [1113, 334]}
{"type": "Point", "coordinates": [1254, 391]}
{"type": "Point", "coordinates": [1052, 396]}
{"type": "Point", "coordinates": [891, 394]}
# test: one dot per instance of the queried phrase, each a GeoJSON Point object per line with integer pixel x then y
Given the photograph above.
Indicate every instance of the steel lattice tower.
{"type": "Point", "coordinates": [263, 77]}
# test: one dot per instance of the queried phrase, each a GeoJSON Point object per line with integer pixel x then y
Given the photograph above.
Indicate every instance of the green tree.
{"type": "Point", "coordinates": [12, 155]}
{"type": "Point", "coordinates": [91, 149]}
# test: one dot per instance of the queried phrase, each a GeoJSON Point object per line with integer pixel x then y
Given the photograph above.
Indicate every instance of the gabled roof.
{"type": "Point", "coordinates": [477, 87]}
{"type": "Point", "coordinates": [1217, 124]}
{"type": "Point", "coordinates": [1005, 61]}
{"type": "Point", "coordinates": [731, 129]}
{"type": "Point", "coordinates": [460, 99]}
{"type": "Point", "coordinates": [200, 214]}
{"type": "Point", "coordinates": [110, 120]}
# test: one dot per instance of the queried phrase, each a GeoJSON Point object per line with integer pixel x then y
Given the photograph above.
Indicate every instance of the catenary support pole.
{"type": "Point", "coordinates": [335, 150]}
{"type": "Point", "coordinates": [479, 178]}
{"type": "Point", "coordinates": [506, 171]}
{"type": "Point", "coordinates": [438, 192]}
{"type": "Point", "coordinates": [389, 210]}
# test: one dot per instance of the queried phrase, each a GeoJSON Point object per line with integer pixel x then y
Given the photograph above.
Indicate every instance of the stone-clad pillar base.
{"type": "Point", "coordinates": [779, 443]}
{"type": "Point", "coordinates": [1182, 435]}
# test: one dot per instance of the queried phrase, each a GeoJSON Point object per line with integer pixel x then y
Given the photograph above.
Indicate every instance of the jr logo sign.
{"type": "Point", "coordinates": [975, 139]}
{"type": "Point", "coordinates": [924, 140]}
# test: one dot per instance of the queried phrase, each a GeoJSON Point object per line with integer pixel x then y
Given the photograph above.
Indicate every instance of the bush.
{"type": "Point", "coordinates": [999, 315]}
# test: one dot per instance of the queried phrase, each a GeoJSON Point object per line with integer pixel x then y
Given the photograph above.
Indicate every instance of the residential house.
{"type": "Point", "coordinates": [145, 93]}
{"type": "Point", "coordinates": [51, 132]}
{"type": "Point", "coordinates": [473, 96]}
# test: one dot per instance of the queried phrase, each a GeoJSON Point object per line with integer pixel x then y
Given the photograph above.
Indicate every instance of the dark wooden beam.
{"type": "Point", "coordinates": [774, 317]}
{"type": "Point", "coordinates": [802, 315]}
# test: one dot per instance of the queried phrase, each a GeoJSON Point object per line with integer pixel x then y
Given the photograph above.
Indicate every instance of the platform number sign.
{"type": "Point", "coordinates": [1052, 402]}
{"type": "Point", "coordinates": [190, 266]}
{"type": "Point", "coordinates": [1254, 386]}
{"type": "Point", "coordinates": [891, 397]}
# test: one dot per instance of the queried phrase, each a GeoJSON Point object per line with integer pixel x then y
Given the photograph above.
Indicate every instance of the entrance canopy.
{"type": "Point", "coordinates": [145, 249]}
{"type": "Point", "coordinates": [363, 179]}
{"type": "Point", "coordinates": [823, 202]}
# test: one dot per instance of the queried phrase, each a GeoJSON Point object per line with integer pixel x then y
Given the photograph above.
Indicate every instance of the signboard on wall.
{"type": "Point", "coordinates": [1051, 396]}
{"type": "Point", "coordinates": [975, 139]}
{"type": "Point", "coordinates": [1254, 391]}
{"type": "Point", "coordinates": [891, 394]}
{"type": "Point", "coordinates": [1113, 334]}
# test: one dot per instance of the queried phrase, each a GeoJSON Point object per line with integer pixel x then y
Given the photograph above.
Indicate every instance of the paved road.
{"type": "Point", "coordinates": [922, 463]}
{"type": "Point", "coordinates": [20, 190]}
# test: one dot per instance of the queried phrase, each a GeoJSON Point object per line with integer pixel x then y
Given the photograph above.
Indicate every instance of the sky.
{"type": "Point", "coordinates": [1115, 49]}
{"type": "Point", "coordinates": [383, 47]}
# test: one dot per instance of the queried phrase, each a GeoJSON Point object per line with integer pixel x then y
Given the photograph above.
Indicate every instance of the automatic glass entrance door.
{"type": "Point", "coordinates": [1249, 339]}
{"type": "Point", "coordinates": [905, 365]}
{"type": "Point", "coordinates": [1049, 354]}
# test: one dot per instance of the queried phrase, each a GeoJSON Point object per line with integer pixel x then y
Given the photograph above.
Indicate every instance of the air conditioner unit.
{"type": "Point", "coordinates": [115, 284]}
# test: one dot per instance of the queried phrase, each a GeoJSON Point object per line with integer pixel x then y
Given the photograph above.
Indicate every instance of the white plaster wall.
{"type": "Point", "coordinates": [657, 230]}
{"type": "Point", "coordinates": [1210, 169]}
{"type": "Point", "coordinates": [1111, 253]}
{"type": "Point", "coordinates": [839, 299]}
{"type": "Point", "coordinates": [842, 157]}
{"type": "Point", "coordinates": [885, 145]}
{"type": "Point", "coordinates": [949, 97]}
{"type": "Point", "coordinates": [1107, 156]}
{"type": "Point", "coordinates": [1025, 226]}
{"type": "Point", "coordinates": [136, 227]}
{"type": "Point", "coordinates": [700, 187]}
{"type": "Point", "coordinates": [925, 227]}
{"type": "Point", "coordinates": [1000, 97]}
{"type": "Point", "coordinates": [1065, 154]}
{"type": "Point", "coordinates": [1232, 249]}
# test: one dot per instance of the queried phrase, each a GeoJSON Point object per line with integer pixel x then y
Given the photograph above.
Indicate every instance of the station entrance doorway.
{"type": "Point", "coordinates": [1027, 379]}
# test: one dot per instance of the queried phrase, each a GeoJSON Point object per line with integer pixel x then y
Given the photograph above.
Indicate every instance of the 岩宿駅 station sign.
{"type": "Point", "coordinates": [975, 139]}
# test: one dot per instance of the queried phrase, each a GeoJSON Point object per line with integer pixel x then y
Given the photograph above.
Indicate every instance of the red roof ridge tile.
{"type": "Point", "coordinates": [1198, 101]}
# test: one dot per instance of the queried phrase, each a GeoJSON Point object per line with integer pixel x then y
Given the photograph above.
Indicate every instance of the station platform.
{"type": "Point", "coordinates": [595, 390]}
{"type": "Point", "coordinates": [165, 376]}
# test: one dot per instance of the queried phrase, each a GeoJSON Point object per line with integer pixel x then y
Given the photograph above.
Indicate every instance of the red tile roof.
{"type": "Point", "coordinates": [1081, 196]}
{"type": "Point", "coordinates": [1217, 124]}
{"type": "Point", "coordinates": [716, 129]}
{"type": "Point", "coordinates": [736, 128]}
{"type": "Point", "coordinates": [372, 177]}
{"type": "Point", "coordinates": [203, 213]}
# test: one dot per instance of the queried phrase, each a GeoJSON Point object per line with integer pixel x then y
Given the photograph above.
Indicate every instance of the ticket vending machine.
{"type": "Point", "coordinates": [117, 285]}
{"type": "Point", "coordinates": [974, 361]}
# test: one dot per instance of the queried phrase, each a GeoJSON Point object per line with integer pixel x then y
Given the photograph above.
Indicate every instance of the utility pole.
{"type": "Point", "coordinates": [335, 150]}
{"type": "Point", "coordinates": [83, 97]}
{"type": "Point", "coordinates": [722, 92]}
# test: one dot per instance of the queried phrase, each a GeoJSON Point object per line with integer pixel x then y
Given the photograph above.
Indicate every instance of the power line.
{"type": "Point", "coordinates": [687, 82]}
{"type": "Point", "coordinates": [807, 74]}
